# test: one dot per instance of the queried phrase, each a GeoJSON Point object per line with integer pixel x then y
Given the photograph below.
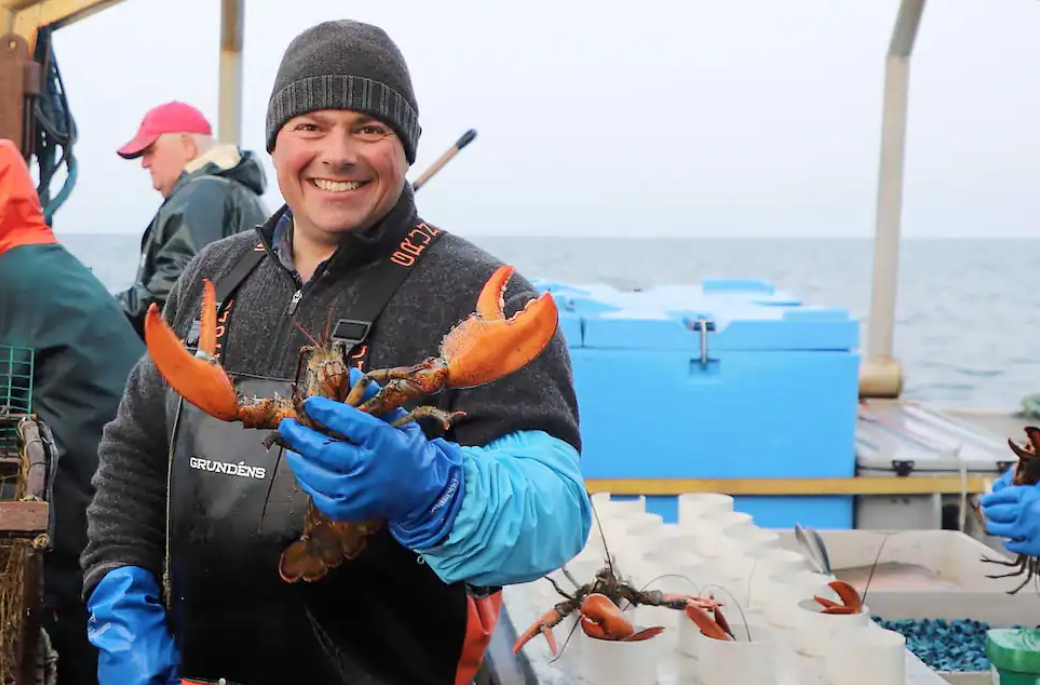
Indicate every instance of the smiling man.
{"type": "Point", "coordinates": [200, 504]}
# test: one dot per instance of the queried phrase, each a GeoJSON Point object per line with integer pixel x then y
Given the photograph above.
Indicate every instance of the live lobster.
{"type": "Point", "coordinates": [601, 615]}
{"type": "Point", "coordinates": [1027, 472]}
{"type": "Point", "coordinates": [599, 602]}
{"type": "Point", "coordinates": [482, 348]}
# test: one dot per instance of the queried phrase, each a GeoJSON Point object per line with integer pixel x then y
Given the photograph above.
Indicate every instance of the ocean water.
{"type": "Point", "coordinates": [968, 311]}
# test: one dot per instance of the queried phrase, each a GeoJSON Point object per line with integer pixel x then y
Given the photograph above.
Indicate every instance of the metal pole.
{"type": "Point", "coordinates": [232, 29]}
{"type": "Point", "coordinates": [881, 375]}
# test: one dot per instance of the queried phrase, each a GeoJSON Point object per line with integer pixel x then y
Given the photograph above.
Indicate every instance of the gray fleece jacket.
{"type": "Point", "coordinates": [126, 521]}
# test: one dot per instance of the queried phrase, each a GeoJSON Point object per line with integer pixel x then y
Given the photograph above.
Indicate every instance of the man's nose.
{"type": "Point", "coordinates": [340, 151]}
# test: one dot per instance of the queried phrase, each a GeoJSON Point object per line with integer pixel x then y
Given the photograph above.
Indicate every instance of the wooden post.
{"type": "Point", "coordinates": [20, 82]}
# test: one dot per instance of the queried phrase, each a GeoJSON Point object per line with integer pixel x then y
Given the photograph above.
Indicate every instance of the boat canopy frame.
{"type": "Point", "coordinates": [880, 373]}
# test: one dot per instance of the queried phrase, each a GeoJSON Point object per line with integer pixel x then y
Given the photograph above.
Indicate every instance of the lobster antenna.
{"type": "Point", "coordinates": [566, 642]}
{"type": "Point", "coordinates": [568, 576]}
{"type": "Point", "coordinates": [603, 537]}
{"type": "Point", "coordinates": [304, 331]}
{"type": "Point", "coordinates": [328, 319]}
{"type": "Point", "coordinates": [751, 579]}
{"type": "Point", "coordinates": [558, 589]}
{"type": "Point", "coordinates": [870, 576]}
{"type": "Point", "coordinates": [671, 575]}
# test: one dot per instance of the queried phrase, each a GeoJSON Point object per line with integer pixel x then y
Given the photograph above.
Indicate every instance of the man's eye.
{"type": "Point", "coordinates": [372, 132]}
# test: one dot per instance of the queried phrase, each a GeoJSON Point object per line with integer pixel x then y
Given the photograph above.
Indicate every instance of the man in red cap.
{"type": "Point", "coordinates": [209, 191]}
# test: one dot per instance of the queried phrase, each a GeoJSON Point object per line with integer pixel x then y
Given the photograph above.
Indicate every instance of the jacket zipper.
{"type": "Point", "coordinates": [295, 302]}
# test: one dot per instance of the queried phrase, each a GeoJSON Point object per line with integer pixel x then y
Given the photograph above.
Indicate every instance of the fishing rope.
{"type": "Point", "coordinates": [53, 127]}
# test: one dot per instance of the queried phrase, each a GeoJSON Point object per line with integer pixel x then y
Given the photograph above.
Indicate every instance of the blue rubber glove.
{"type": "Point", "coordinates": [396, 474]}
{"type": "Point", "coordinates": [128, 626]}
{"type": "Point", "coordinates": [1005, 479]}
{"type": "Point", "coordinates": [1014, 513]}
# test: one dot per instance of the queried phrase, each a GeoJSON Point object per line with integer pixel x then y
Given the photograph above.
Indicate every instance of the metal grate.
{"type": "Point", "coordinates": [16, 386]}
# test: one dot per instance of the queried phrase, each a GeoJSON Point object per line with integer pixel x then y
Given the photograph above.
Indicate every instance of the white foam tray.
{"type": "Point", "coordinates": [953, 553]}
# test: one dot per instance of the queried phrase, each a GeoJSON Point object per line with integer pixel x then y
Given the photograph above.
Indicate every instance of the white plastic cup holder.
{"type": "Point", "coordinates": [783, 592]}
{"type": "Point", "coordinates": [778, 560]}
{"type": "Point", "coordinates": [725, 662]}
{"type": "Point", "coordinates": [695, 506]}
{"type": "Point", "coordinates": [645, 526]}
{"type": "Point", "coordinates": [714, 535]}
{"type": "Point", "coordinates": [867, 656]}
{"type": "Point", "coordinates": [816, 630]}
{"type": "Point", "coordinates": [607, 661]}
{"type": "Point", "coordinates": [677, 571]}
{"type": "Point", "coordinates": [754, 541]}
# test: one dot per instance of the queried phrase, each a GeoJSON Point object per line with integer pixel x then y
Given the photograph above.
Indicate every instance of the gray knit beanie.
{"type": "Point", "coordinates": [345, 65]}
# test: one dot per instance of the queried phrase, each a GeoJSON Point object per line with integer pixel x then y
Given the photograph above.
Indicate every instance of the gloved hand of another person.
{"type": "Point", "coordinates": [382, 472]}
{"type": "Point", "coordinates": [1013, 512]}
{"type": "Point", "coordinates": [1005, 479]}
{"type": "Point", "coordinates": [128, 626]}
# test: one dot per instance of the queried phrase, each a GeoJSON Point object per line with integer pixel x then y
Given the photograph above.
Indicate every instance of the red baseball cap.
{"type": "Point", "coordinates": [171, 117]}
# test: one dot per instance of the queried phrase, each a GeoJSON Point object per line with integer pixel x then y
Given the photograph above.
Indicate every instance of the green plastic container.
{"type": "Point", "coordinates": [1014, 655]}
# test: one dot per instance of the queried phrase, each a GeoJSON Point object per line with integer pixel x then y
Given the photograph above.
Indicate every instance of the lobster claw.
{"type": "Point", "coordinates": [716, 628]}
{"type": "Point", "coordinates": [601, 618]}
{"type": "Point", "coordinates": [851, 602]}
{"type": "Point", "coordinates": [197, 378]}
{"type": "Point", "coordinates": [1029, 452]}
{"type": "Point", "coordinates": [543, 625]}
{"type": "Point", "coordinates": [487, 345]}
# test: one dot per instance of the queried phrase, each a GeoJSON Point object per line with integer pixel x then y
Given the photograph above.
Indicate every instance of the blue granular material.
{"type": "Point", "coordinates": [944, 645]}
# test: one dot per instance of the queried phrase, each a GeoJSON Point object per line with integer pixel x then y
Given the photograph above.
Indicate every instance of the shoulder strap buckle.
{"type": "Point", "coordinates": [351, 332]}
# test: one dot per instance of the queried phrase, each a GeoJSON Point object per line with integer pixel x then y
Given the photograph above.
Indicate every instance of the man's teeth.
{"type": "Point", "coordinates": [336, 186]}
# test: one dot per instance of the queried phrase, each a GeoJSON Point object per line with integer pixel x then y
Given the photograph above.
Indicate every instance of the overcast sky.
{"type": "Point", "coordinates": [697, 118]}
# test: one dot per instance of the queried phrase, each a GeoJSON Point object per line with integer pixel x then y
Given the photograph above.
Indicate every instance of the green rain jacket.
{"type": "Point", "coordinates": [84, 350]}
{"type": "Point", "coordinates": [216, 196]}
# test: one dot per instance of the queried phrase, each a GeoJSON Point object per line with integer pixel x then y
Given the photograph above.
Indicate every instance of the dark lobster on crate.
{"type": "Point", "coordinates": [27, 455]}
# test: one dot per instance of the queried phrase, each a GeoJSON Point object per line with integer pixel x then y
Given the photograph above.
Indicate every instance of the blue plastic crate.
{"type": "Point", "coordinates": [769, 391]}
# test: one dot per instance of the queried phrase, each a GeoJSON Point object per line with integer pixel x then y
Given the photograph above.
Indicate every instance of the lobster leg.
{"type": "Point", "coordinates": [656, 598]}
{"type": "Point", "coordinates": [445, 417]}
{"type": "Point", "coordinates": [1020, 564]}
{"type": "Point", "coordinates": [1024, 565]}
{"type": "Point", "coordinates": [1020, 561]}
{"type": "Point", "coordinates": [404, 384]}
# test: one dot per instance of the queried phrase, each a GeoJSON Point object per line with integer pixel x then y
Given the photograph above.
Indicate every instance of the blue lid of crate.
{"type": "Point", "coordinates": [745, 314]}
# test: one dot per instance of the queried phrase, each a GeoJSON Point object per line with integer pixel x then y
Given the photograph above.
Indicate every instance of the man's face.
{"type": "Point", "coordinates": [338, 171]}
{"type": "Point", "coordinates": [165, 160]}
